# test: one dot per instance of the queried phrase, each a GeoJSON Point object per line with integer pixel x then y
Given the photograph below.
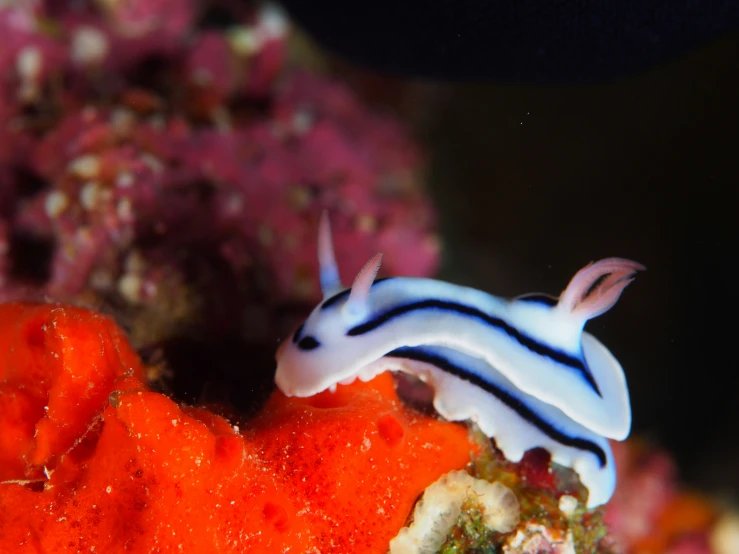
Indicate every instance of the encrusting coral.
{"type": "Point", "coordinates": [442, 504]}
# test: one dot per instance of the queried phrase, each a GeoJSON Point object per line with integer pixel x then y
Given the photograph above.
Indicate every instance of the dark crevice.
{"type": "Point", "coordinates": [27, 182]}
{"type": "Point", "coordinates": [30, 257]}
{"type": "Point", "coordinates": [225, 371]}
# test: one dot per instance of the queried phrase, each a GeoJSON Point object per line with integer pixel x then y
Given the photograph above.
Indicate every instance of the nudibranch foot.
{"type": "Point", "coordinates": [518, 422]}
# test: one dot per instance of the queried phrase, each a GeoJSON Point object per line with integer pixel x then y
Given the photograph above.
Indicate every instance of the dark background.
{"type": "Point", "coordinates": [534, 181]}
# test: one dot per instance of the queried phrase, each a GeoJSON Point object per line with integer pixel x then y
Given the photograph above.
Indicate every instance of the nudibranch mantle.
{"type": "Point", "coordinates": [523, 369]}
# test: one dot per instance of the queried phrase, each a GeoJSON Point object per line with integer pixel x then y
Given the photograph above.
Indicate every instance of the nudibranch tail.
{"type": "Point", "coordinates": [329, 270]}
{"type": "Point", "coordinates": [356, 305]}
{"type": "Point", "coordinates": [466, 387]}
{"type": "Point", "coordinates": [597, 287]}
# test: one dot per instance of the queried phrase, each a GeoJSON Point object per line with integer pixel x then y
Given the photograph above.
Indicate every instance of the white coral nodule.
{"type": "Point", "coordinates": [437, 512]}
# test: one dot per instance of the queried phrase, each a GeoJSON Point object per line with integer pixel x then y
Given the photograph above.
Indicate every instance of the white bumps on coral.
{"type": "Point", "coordinates": [437, 512]}
{"type": "Point", "coordinates": [537, 539]}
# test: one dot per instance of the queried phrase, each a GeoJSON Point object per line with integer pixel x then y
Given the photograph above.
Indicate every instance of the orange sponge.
{"type": "Point", "coordinates": [131, 470]}
{"type": "Point", "coordinates": [57, 367]}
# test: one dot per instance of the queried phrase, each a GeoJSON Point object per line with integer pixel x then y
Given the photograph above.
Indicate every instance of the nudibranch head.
{"type": "Point", "coordinates": [320, 353]}
{"type": "Point", "coordinates": [308, 361]}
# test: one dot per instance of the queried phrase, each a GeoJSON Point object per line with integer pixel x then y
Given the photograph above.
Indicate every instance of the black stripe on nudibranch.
{"type": "Point", "coordinates": [524, 340]}
{"type": "Point", "coordinates": [308, 343]}
{"type": "Point", "coordinates": [298, 332]}
{"type": "Point", "coordinates": [514, 403]}
{"type": "Point", "coordinates": [537, 298]}
{"type": "Point", "coordinates": [339, 296]}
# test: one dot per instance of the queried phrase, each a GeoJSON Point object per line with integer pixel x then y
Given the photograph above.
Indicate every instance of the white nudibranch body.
{"type": "Point", "coordinates": [523, 369]}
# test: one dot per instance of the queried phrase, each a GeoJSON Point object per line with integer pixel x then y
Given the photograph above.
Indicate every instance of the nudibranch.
{"type": "Point", "coordinates": [523, 369]}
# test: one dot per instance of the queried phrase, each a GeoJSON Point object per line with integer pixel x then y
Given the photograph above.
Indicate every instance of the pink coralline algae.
{"type": "Point", "coordinates": [651, 513]}
{"type": "Point", "coordinates": [151, 164]}
{"type": "Point", "coordinates": [646, 485]}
